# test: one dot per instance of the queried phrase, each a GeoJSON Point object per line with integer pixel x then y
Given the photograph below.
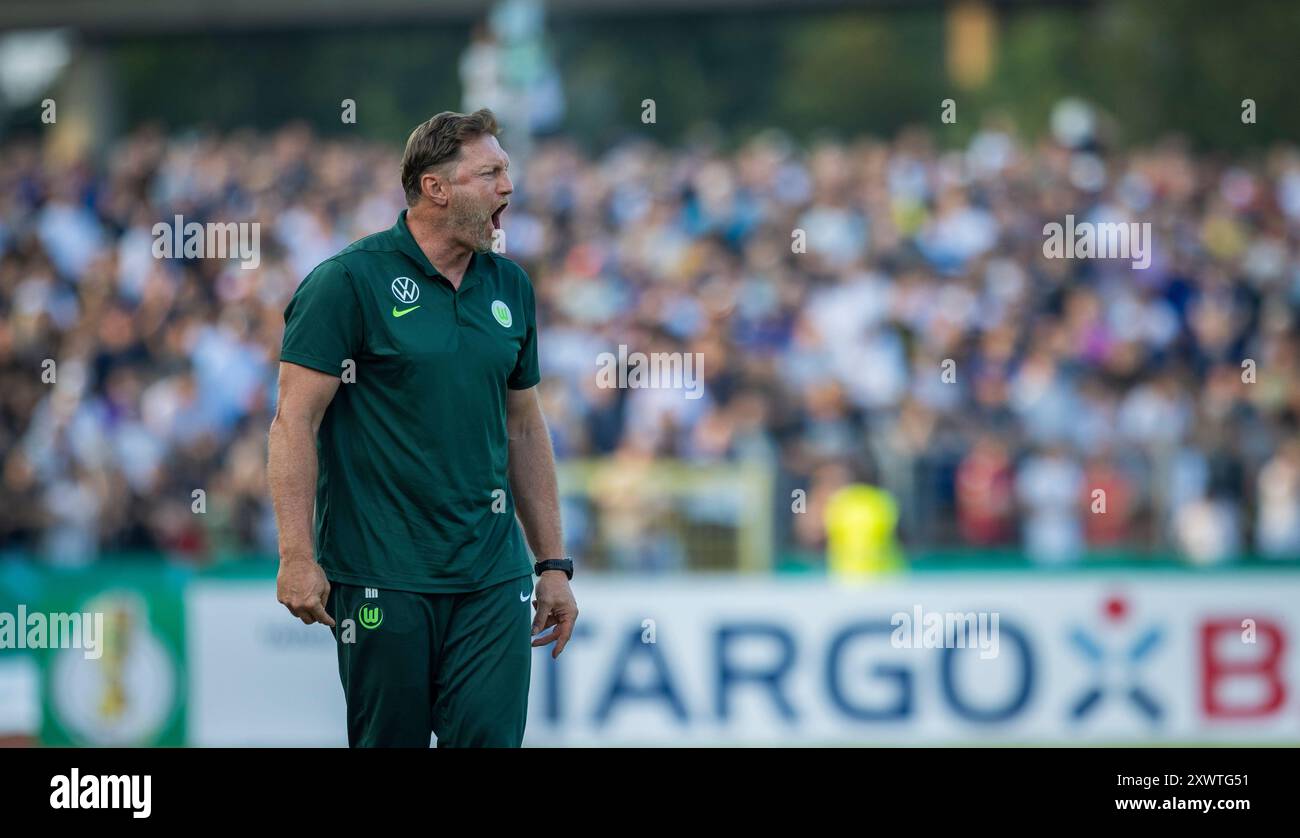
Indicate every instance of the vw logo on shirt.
{"type": "Point", "coordinates": [405, 289]}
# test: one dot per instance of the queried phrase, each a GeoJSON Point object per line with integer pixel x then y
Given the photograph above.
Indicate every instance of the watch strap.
{"type": "Point", "coordinates": [565, 564]}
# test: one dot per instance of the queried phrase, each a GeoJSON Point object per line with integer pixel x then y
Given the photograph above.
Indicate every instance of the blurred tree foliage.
{"type": "Point", "coordinates": [1156, 67]}
{"type": "Point", "coordinates": [263, 80]}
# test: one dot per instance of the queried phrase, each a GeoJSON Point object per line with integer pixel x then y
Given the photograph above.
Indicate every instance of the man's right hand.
{"type": "Point", "coordinates": [301, 587]}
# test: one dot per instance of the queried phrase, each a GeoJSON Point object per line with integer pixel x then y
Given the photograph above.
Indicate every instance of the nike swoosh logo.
{"type": "Point", "coordinates": [525, 595]}
{"type": "Point", "coordinates": [397, 313]}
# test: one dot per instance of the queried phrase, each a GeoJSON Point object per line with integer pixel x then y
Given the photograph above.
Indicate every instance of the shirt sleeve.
{"type": "Point", "coordinates": [322, 323]}
{"type": "Point", "coordinates": [527, 372]}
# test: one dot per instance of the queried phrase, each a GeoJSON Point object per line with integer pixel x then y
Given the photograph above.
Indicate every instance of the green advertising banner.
{"type": "Point", "coordinates": [108, 644]}
{"type": "Point", "coordinates": [20, 714]}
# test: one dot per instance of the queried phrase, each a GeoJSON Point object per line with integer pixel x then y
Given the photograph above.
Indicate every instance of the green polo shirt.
{"type": "Point", "coordinates": [412, 491]}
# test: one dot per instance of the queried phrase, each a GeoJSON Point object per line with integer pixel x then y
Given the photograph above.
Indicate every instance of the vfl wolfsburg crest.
{"type": "Point", "coordinates": [370, 615]}
{"type": "Point", "coordinates": [501, 312]}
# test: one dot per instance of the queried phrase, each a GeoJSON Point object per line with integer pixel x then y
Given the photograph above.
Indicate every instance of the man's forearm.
{"type": "Point", "coordinates": [537, 497]}
{"type": "Point", "coordinates": [291, 472]}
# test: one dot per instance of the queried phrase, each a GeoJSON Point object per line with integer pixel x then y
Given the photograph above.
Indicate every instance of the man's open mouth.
{"type": "Point", "coordinates": [496, 216]}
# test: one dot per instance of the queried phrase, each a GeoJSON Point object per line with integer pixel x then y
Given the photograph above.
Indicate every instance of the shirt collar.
{"type": "Point", "coordinates": [406, 244]}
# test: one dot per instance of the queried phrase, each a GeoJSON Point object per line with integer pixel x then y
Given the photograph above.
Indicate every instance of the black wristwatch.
{"type": "Point", "coordinates": [565, 564]}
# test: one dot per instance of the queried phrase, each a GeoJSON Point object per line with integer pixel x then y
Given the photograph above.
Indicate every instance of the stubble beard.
{"type": "Point", "coordinates": [469, 224]}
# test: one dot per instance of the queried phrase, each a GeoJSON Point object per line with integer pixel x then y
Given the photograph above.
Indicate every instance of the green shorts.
{"type": "Point", "coordinates": [454, 665]}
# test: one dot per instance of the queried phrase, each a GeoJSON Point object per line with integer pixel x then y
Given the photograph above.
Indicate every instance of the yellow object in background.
{"type": "Point", "coordinates": [860, 531]}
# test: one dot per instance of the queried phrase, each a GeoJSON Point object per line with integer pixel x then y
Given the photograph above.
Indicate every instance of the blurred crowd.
{"type": "Point", "coordinates": [876, 312]}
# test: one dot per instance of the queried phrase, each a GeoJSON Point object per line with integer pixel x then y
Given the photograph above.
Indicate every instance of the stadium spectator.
{"type": "Point", "coordinates": [1066, 375]}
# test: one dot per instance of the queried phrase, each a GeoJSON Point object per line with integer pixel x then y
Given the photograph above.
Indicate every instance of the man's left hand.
{"type": "Point", "coordinates": [555, 607]}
